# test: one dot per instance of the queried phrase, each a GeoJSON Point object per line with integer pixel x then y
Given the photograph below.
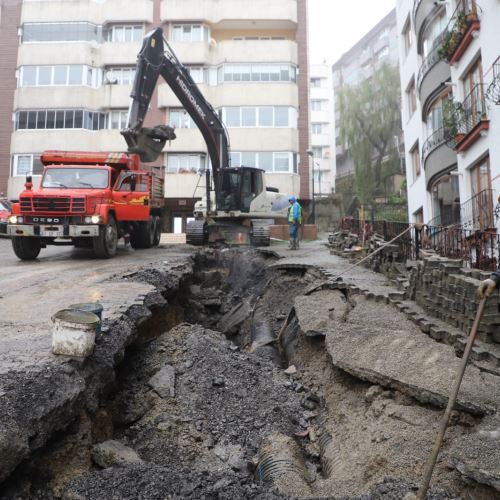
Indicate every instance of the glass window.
{"type": "Point", "coordinates": [232, 117]}
{"type": "Point", "coordinates": [22, 120]}
{"type": "Point", "coordinates": [248, 117]}
{"type": "Point", "coordinates": [44, 75]}
{"type": "Point", "coordinates": [31, 119]}
{"type": "Point", "coordinates": [23, 164]}
{"type": "Point", "coordinates": [235, 159]}
{"type": "Point", "coordinates": [75, 75]}
{"type": "Point", "coordinates": [266, 161]}
{"type": "Point", "coordinates": [281, 117]}
{"type": "Point", "coordinates": [60, 119]}
{"type": "Point", "coordinates": [51, 119]}
{"type": "Point", "coordinates": [266, 117]}
{"type": "Point", "coordinates": [315, 82]}
{"type": "Point", "coordinates": [60, 32]}
{"type": "Point", "coordinates": [60, 75]}
{"type": "Point", "coordinates": [281, 162]}
{"type": "Point", "coordinates": [29, 76]}
{"type": "Point", "coordinates": [248, 159]}
{"type": "Point", "coordinates": [179, 118]}
{"type": "Point", "coordinates": [41, 117]}
{"type": "Point", "coordinates": [69, 117]}
{"type": "Point", "coordinates": [316, 105]}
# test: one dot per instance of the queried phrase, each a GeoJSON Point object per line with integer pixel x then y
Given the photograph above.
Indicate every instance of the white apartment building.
{"type": "Point", "coordinates": [450, 83]}
{"type": "Point", "coordinates": [322, 129]}
{"type": "Point", "coordinates": [73, 63]}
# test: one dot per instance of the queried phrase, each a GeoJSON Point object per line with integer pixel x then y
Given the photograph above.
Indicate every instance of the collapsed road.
{"type": "Point", "coordinates": [233, 373]}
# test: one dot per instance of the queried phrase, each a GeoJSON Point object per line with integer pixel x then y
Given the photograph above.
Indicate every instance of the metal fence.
{"type": "Point", "coordinates": [477, 249]}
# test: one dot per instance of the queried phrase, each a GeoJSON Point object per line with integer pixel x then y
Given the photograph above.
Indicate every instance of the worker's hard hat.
{"type": "Point", "coordinates": [292, 199]}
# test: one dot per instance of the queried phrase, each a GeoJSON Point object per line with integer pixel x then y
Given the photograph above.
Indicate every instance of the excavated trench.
{"type": "Point", "coordinates": [225, 394]}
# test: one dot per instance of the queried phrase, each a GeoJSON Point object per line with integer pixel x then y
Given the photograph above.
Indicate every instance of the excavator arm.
{"type": "Point", "coordinates": [157, 58]}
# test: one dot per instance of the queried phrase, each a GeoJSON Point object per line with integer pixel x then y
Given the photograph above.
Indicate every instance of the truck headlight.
{"type": "Point", "coordinates": [14, 219]}
{"type": "Point", "coordinates": [88, 220]}
{"type": "Point", "coordinates": [96, 219]}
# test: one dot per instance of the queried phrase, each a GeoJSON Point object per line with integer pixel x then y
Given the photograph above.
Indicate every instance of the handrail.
{"type": "Point", "coordinates": [436, 139]}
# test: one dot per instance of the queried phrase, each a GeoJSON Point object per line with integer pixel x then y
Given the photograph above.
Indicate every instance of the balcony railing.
{"type": "Point", "coordinates": [477, 213]}
{"type": "Point", "coordinates": [436, 139]}
{"type": "Point", "coordinates": [493, 92]}
{"type": "Point", "coordinates": [430, 61]}
{"type": "Point", "coordinates": [471, 118]}
{"type": "Point", "coordinates": [458, 33]}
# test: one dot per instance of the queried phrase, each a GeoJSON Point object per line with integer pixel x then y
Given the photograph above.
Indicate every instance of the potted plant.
{"type": "Point", "coordinates": [453, 112]}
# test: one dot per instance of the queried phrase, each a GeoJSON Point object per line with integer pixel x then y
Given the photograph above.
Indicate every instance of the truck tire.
{"type": "Point", "coordinates": [105, 244]}
{"type": "Point", "coordinates": [157, 231]}
{"type": "Point", "coordinates": [143, 234]}
{"type": "Point", "coordinates": [26, 248]}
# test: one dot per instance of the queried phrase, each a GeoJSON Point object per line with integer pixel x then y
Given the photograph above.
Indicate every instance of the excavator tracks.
{"type": "Point", "coordinates": [196, 233]}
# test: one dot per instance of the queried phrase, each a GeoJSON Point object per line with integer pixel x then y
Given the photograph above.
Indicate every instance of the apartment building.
{"type": "Point", "coordinates": [69, 65]}
{"type": "Point", "coordinates": [322, 130]}
{"type": "Point", "coordinates": [378, 46]}
{"type": "Point", "coordinates": [450, 84]}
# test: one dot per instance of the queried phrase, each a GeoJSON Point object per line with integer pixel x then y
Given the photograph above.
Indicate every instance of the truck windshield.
{"type": "Point", "coordinates": [82, 178]}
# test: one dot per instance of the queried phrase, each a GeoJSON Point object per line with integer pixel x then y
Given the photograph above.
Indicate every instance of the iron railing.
{"type": "Point", "coordinates": [493, 92]}
{"type": "Point", "coordinates": [436, 139]}
{"type": "Point", "coordinates": [477, 213]}
{"type": "Point", "coordinates": [434, 56]}
{"type": "Point", "coordinates": [474, 110]}
{"type": "Point", "coordinates": [476, 249]}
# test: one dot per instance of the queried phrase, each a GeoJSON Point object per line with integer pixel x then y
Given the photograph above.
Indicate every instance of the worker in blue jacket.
{"type": "Point", "coordinates": [294, 221]}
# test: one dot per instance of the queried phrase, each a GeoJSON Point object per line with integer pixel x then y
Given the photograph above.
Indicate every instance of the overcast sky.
{"type": "Point", "coordinates": [336, 25]}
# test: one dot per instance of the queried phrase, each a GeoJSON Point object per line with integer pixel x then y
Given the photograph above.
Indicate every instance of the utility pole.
{"type": "Point", "coordinates": [310, 153]}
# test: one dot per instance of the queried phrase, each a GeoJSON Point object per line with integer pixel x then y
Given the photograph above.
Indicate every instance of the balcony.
{"type": "Point", "coordinates": [460, 31]}
{"type": "Point", "coordinates": [493, 92]}
{"type": "Point", "coordinates": [466, 122]}
{"type": "Point", "coordinates": [477, 213]}
{"type": "Point", "coordinates": [431, 75]}
{"type": "Point", "coordinates": [421, 11]}
{"type": "Point", "coordinates": [437, 158]}
{"type": "Point", "coordinates": [275, 14]}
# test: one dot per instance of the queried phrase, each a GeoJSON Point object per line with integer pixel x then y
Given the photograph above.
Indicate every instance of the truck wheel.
{"type": "Point", "coordinates": [157, 231]}
{"type": "Point", "coordinates": [26, 248]}
{"type": "Point", "coordinates": [142, 236]}
{"type": "Point", "coordinates": [105, 244]}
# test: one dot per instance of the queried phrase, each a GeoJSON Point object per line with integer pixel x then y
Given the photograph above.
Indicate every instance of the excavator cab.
{"type": "Point", "coordinates": [238, 187]}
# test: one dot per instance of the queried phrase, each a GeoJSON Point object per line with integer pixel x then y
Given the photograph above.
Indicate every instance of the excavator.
{"type": "Point", "coordinates": [236, 207]}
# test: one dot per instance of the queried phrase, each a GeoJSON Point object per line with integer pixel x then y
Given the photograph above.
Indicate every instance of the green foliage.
{"type": "Point", "coordinates": [370, 117]}
{"type": "Point", "coordinates": [453, 113]}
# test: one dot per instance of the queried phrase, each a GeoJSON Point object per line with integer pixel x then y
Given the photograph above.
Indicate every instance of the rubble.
{"type": "Point", "coordinates": [113, 453]}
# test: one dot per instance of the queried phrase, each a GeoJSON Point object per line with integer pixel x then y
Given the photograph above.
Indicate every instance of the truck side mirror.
{"type": "Point", "coordinates": [133, 182]}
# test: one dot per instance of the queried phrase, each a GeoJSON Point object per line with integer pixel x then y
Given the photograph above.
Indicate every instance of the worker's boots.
{"type": "Point", "coordinates": [290, 244]}
{"type": "Point", "coordinates": [296, 242]}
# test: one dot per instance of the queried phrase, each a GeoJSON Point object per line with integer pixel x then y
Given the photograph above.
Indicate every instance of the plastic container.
{"type": "Point", "coordinates": [73, 333]}
{"type": "Point", "coordinates": [93, 307]}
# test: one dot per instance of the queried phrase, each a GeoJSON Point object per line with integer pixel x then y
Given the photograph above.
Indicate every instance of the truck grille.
{"type": "Point", "coordinates": [61, 204]}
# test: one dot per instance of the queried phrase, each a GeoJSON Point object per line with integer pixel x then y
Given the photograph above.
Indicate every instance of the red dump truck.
{"type": "Point", "coordinates": [88, 199]}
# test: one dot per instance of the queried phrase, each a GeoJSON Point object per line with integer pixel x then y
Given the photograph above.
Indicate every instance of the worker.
{"type": "Point", "coordinates": [487, 287]}
{"type": "Point", "coordinates": [294, 221]}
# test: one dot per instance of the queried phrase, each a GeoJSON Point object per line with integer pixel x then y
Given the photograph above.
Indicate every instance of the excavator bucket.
{"type": "Point", "coordinates": [147, 142]}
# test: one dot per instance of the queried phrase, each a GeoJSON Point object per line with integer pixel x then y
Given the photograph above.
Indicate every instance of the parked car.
{"type": "Point", "coordinates": [4, 215]}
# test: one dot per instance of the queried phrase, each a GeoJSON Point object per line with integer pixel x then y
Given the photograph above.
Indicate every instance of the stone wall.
{"type": "Point", "coordinates": [446, 290]}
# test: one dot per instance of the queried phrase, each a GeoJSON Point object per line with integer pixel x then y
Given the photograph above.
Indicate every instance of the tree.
{"type": "Point", "coordinates": [370, 117]}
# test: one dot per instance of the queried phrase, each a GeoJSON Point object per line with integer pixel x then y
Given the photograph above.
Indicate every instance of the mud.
{"type": "Point", "coordinates": [227, 389]}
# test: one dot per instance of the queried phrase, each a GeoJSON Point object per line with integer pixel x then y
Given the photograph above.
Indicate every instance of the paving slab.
{"type": "Point", "coordinates": [379, 344]}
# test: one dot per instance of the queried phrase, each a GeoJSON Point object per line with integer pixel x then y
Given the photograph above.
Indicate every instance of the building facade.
{"type": "Point", "coordinates": [70, 67]}
{"type": "Point", "coordinates": [322, 130]}
{"type": "Point", "coordinates": [450, 85]}
{"type": "Point", "coordinates": [377, 47]}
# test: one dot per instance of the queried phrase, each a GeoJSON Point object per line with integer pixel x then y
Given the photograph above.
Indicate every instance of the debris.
{"type": "Point", "coordinates": [291, 370]}
{"type": "Point", "coordinates": [163, 382]}
{"type": "Point", "coordinates": [113, 453]}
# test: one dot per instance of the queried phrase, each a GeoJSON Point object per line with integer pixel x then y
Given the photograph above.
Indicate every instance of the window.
{"type": "Point", "coordinates": [40, 76]}
{"type": "Point", "coordinates": [316, 82]}
{"type": "Point", "coordinates": [316, 105]}
{"type": "Point", "coordinates": [256, 38]}
{"type": "Point", "coordinates": [118, 119]}
{"type": "Point", "coordinates": [179, 118]}
{"type": "Point", "coordinates": [317, 152]}
{"type": "Point", "coordinates": [282, 162]}
{"type": "Point", "coordinates": [407, 37]}
{"type": "Point", "coordinates": [60, 119]}
{"type": "Point", "coordinates": [185, 163]}
{"type": "Point", "coordinates": [124, 33]}
{"type": "Point", "coordinates": [26, 164]}
{"type": "Point", "coordinates": [198, 74]}
{"type": "Point", "coordinates": [411, 97]}
{"type": "Point", "coordinates": [190, 33]}
{"type": "Point", "coordinates": [61, 32]}
{"type": "Point", "coordinates": [120, 76]}
{"type": "Point", "coordinates": [415, 161]}
{"type": "Point", "coordinates": [279, 116]}
{"type": "Point", "coordinates": [480, 177]}
{"type": "Point", "coordinates": [271, 72]}
{"type": "Point", "coordinates": [317, 128]}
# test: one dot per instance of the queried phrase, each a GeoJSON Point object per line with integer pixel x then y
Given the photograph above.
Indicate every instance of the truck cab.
{"type": "Point", "coordinates": [88, 200]}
